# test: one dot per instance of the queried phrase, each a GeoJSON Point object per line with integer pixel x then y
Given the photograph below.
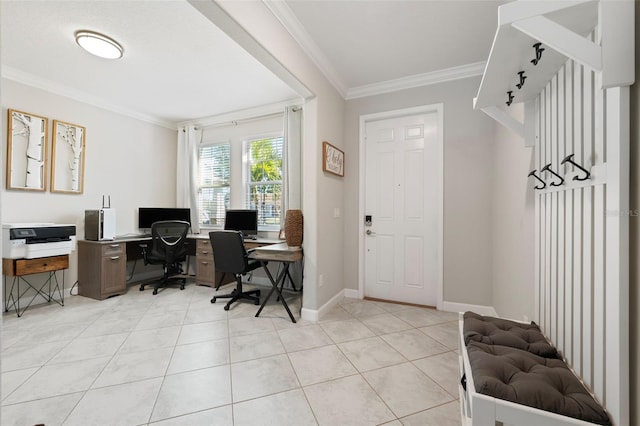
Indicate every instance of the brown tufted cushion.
{"type": "Point", "coordinates": [524, 378]}
{"type": "Point", "coordinates": [498, 331]}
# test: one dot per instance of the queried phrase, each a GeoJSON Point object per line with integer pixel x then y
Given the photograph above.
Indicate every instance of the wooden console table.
{"type": "Point", "coordinates": [19, 268]}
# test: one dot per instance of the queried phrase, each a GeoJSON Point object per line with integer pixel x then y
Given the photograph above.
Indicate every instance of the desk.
{"type": "Point", "coordinates": [277, 253]}
{"type": "Point", "coordinates": [18, 268]}
{"type": "Point", "coordinates": [102, 264]}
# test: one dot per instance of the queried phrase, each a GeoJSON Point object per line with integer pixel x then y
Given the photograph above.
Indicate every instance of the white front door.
{"type": "Point", "coordinates": [403, 184]}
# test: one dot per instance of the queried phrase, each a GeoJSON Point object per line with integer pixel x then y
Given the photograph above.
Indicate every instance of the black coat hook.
{"type": "Point", "coordinates": [510, 95]}
{"type": "Point", "coordinates": [547, 168]}
{"type": "Point", "coordinates": [569, 159]}
{"type": "Point", "coordinates": [522, 79]}
{"type": "Point", "coordinates": [533, 173]}
{"type": "Point", "coordinates": [539, 51]}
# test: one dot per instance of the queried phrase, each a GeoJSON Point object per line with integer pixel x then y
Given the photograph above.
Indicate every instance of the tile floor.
{"type": "Point", "coordinates": [177, 359]}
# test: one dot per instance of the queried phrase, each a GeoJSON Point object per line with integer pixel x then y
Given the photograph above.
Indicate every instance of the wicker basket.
{"type": "Point", "coordinates": [293, 228]}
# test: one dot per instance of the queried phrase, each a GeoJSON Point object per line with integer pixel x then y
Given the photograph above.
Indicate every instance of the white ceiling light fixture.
{"type": "Point", "coordinates": [99, 44]}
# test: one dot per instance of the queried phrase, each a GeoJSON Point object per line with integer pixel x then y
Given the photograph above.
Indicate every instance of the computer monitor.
{"type": "Point", "coordinates": [242, 220]}
{"type": "Point", "coordinates": [148, 215]}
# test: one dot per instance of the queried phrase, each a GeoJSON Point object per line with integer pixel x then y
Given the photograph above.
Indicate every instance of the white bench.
{"type": "Point", "coordinates": [484, 410]}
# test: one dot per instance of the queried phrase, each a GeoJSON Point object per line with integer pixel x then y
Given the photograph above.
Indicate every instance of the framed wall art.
{"type": "Point", "coordinates": [67, 157]}
{"type": "Point", "coordinates": [26, 151]}
{"type": "Point", "coordinates": [332, 159]}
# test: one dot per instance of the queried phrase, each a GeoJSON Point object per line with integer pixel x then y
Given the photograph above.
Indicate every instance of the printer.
{"type": "Point", "coordinates": [33, 240]}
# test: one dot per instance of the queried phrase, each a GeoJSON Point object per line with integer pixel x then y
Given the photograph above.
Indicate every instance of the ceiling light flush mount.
{"type": "Point", "coordinates": [99, 44]}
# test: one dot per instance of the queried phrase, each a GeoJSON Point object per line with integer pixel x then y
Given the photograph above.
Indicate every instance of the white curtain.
{"type": "Point", "coordinates": [292, 179]}
{"type": "Point", "coordinates": [187, 173]}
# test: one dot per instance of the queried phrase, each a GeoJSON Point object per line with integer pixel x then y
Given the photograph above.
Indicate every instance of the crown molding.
{"type": "Point", "coordinates": [18, 76]}
{"type": "Point", "coordinates": [287, 18]}
{"type": "Point", "coordinates": [289, 21]}
{"type": "Point", "coordinates": [418, 80]}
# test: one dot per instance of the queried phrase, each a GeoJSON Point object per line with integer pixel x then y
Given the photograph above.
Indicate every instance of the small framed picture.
{"type": "Point", "coordinates": [26, 151]}
{"type": "Point", "coordinates": [67, 153]}
{"type": "Point", "coordinates": [332, 159]}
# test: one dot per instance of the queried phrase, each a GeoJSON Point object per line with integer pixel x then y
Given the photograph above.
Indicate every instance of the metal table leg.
{"type": "Point", "coordinates": [14, 301]}
{"type": "Point", "coordinates": [274, 287]}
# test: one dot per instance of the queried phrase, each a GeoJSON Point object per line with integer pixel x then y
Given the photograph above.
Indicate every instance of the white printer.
{"type": "Point", "coordinates": [33, 240]}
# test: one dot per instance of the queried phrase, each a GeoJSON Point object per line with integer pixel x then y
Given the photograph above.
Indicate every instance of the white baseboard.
{"type": "Point", "coordinates": [314, 315]}
{"type": "Point", "coordinates": [351, 293]}
{"type": "Point", "coordinates": [463, 307]}
{"type": "Point", "coordinates": [310, 315]}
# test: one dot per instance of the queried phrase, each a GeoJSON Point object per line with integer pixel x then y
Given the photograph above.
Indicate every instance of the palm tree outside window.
{"type": "Point", "coordinates": [264, 186]}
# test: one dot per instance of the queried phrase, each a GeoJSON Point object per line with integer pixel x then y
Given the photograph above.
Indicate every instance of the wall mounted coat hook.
{"type": "Point", "coordinates": [547, 168]}
{"type": "Point", "coordinates": [539, 51]}
{"type": "Point", "coordinates": [569, 159]}
{"type": "Point", "coordinates": [510, 95]}
{"type": "Point", "coordinates": [522, 79]}
{"type": "Point", "coordinates": [544, 184]}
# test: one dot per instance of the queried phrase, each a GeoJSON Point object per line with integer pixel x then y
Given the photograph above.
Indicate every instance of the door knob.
{"type": "Point", "coordinates": [370, 232]}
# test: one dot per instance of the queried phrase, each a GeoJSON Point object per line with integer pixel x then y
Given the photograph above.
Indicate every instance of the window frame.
{"type": "Point", "coordinates": [246, 175]}
{"type": "Point", "coordinates": [229, 185]}
{"type": "Point", "coordinates": [239, 176]}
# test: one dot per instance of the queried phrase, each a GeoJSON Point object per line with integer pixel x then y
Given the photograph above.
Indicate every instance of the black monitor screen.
{"type": "Point", "coordinates": [148, 215]}
{"type": "Point", "coordinates": [242, 220]}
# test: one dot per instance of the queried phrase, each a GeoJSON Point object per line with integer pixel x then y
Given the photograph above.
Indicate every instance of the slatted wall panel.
{"type": "Point", "coordinates": [580, 228]}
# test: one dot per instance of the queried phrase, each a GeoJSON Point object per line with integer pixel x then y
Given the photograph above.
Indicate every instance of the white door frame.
{"type": "Point", "coordinates": [439, 109]}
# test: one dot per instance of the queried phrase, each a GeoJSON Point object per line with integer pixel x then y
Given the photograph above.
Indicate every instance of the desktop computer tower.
{"type": "Point", "coordinates": [100, 224]}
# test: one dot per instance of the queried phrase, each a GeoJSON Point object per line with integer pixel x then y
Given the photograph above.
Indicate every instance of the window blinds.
{"type": "Point", "coordinates": [214, 182]}
{"type": "Point", "coordinates": [264, 191]}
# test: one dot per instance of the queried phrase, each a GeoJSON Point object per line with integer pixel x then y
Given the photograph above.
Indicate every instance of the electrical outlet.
{"type": "Point", "coordinates": [320, 280]}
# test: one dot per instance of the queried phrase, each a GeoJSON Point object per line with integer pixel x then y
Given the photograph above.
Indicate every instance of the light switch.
{"type": "Point", "coordinates": [336, 212]}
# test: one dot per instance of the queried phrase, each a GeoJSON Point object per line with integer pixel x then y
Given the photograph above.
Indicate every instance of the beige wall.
{"type": "Point", "coordinates": [634, 239]}
{"type": "Point", "coordinates": [131, 160]}
{"type": "Point", "coordinates": [323, 120]}
{"type": "Point", "coordinates": [468, 136]}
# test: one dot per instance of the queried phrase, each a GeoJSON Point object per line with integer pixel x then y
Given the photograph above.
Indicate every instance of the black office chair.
{"type": "Point", "coordinates": [168, 249]}
{"type": "Point", "coordinates": [230, 256]}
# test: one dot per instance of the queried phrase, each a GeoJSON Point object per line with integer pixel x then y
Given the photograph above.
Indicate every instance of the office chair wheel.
{"type": "Point", "coordinates": [213, 300]}
{"type": "Point", "coordinates": [182, 287]}
{"type": "Point", "coordinates": [155, 291]}
{"type": "Point", "coordinates": [257, 302]}
{"type": "Point", "coordinates": [226, 307]}
{"type": "Point", "coordinates": [141, 288]}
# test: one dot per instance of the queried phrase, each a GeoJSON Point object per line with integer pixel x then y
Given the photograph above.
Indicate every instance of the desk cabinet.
{"type": "Point", "coordinates": [102, 268]}
{"type": "Point", "coordinates": [205, 268]}
{"type": "Point", "coordinates": [206, 273]}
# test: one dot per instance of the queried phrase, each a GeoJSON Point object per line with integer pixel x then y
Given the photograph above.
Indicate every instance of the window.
{"type": "Point", "coordinates": [214, 183]}
{"type": "Point", "coordinates": [264, 179]}
{"type": "Point", "coordinates": [241, 175]}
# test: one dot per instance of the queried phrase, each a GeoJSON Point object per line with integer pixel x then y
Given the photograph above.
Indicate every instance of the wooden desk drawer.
{"type": "Point", "coordinates": [19, 267]}
{"type": "Point", "coordinates": [203, 248]}
{"type": "Point", "coordinates": [113, 249]}
{"type": "Point", "coordinates": [205, 269]}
